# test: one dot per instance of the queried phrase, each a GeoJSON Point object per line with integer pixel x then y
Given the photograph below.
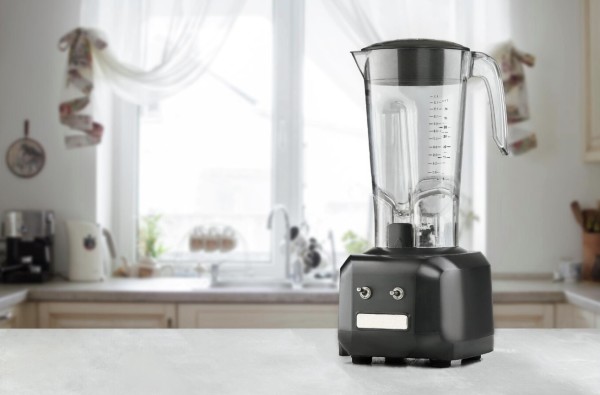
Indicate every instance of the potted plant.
{"type": "Point", "coordinates": [150, 244]}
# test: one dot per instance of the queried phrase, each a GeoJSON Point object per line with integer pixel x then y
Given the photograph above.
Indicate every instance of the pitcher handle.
{"type": "Point", "coordinates": [486, 68]}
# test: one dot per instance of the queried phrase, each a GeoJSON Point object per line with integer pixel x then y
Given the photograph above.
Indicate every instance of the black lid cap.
{"type": "Point", "coordinates": [416, 43]}
{"type": "Point", "coordinates": [414, 62]}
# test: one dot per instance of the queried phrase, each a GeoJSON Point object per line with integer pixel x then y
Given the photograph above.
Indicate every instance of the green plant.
{"type": "Point", "coordinates": [354, 244]}
{"type": "Point", "coordinates": [149, 236]}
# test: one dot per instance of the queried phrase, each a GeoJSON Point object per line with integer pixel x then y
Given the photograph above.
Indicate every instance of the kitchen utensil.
{"type": "Point", "coordinates": [416, 294]}
{"type": "Point", "coordinates": [591, 249]}
{"type": "Point", "coordinates": [86, 257]}
{"type": "Point", "coordinates": [595, 273]}
{"type": "Point", "coordinates": [25, 157]}
{"type": "Point", "coordinates": [577, 213]}
{"type": "Point", "coordinates": [592, 220]}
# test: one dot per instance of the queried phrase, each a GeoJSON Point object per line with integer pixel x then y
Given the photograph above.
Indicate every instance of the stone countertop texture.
{"type": "Point", "coordinates": [290, 361]}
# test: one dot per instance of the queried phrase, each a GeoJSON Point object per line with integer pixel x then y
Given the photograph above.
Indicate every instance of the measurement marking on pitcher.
{"type": "Point", "coordinates": [439, 133]}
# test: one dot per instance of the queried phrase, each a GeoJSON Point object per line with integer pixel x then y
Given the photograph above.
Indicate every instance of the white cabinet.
{"type": "Point", "coordinates": [570, 316]}
{"type": "Point", "coordinates": [26, 315]}
{"type": "Point", "coordinates": [106, 315]}
{"type": "Point", "coordinates": [23, 315]}
{"type": "Point", "coordinates": [257, 316]}
{"type": "Point", "coordinates": [226, 315]}
{"type": "Point", "coordinates": [524, 315]}
{"type": "Point", "coordinates": [7, 318]}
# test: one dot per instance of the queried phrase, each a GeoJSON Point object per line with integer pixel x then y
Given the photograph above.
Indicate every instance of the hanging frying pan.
{"type": "Point", "coordinates": [25, 157]}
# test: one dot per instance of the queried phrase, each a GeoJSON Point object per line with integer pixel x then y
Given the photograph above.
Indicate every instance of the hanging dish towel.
{"type": "Point", "coordinates": [521, 138]}
{"type": "Point", "coordinates": [75, 108]}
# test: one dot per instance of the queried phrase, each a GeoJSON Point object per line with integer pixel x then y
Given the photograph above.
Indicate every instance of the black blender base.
{"type": "Point", "coordinates": [474, 359]}
{"type": "Point", "coordinates": [439, 363]}
{"type": "Point", "coordinates": [434, 363]}
{"type": "Point", "coordinates": [362, 360]}
{"type": "Point", "coordinates": [470, 354]}
{"type": "Point", "coordinates": [395, 361]}
{"type": "Point", "coordinates": [446, 306]}
{"type": "Point", "coordinates": [343, 353]}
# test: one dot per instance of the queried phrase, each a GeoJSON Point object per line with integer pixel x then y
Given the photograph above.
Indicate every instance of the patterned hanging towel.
{"type": "Point", "coordinates": [75, 109]}
{"type": "Point", "coordinates": [520, 138]}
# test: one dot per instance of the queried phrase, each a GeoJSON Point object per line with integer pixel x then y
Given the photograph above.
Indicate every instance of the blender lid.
{"type": "Point", "coordinates": [416, 43]}
{"type": "Point", "coordinates": [414, 62]}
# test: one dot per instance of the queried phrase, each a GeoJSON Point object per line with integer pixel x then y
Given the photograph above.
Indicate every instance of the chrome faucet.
{"type": "Point", "coordinates": [286, 220]}
{"type": "Point", "coordinates": [334, 269]}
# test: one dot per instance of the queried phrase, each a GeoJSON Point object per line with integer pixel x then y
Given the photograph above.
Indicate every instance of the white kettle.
{"type": "Point", "coordinates": [85, 251]}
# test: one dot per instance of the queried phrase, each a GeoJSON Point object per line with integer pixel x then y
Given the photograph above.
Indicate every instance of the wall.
{"type": "Point", "coordinates": [529, 224]}
{"type": "Point", "coordinates": [31, 74]}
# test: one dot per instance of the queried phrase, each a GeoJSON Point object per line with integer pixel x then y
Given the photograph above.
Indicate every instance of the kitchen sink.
{"type": "Point", "coordinates": [273, 285]}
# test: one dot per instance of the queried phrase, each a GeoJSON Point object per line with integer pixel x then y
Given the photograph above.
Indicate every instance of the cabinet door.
{"type": "Point", "coordinates": [569, 316]}
{"type": "Point", "coordinates": [524, 315]}
{"type": "Point", "coordinates": [106, 315]}
{"type": "Point", "coordinates": [8, 318]}
{"type": "Point", "coordinates": [257, 316]}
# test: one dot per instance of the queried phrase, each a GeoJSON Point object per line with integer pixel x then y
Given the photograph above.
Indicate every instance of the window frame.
{"type": "Point", "coordinates": [287, 183]}
{"type": "Point", "coordinates": [287, 144]}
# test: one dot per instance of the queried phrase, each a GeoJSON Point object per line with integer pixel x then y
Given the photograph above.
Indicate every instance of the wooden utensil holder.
{"type": "Point", "coordinates": [591, 248]}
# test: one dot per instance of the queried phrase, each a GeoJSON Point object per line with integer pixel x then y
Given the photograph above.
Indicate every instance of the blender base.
{"type": "Point", "coordinates": [432, 303]}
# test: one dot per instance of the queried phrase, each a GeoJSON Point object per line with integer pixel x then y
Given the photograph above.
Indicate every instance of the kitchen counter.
{"type": "Point", "coordinates": [171, 290]}
{"type": "Point", "coordinates": [194, 290]}
{"type": "Point", "coordinates": [291, 361]}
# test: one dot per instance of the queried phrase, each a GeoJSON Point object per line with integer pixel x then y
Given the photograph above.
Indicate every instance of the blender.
{"type": "Point", "coordinates": [416, 294]}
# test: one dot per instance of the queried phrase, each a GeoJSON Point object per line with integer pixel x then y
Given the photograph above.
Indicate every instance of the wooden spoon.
{"type": "Point", "coordinates": [578, 213]}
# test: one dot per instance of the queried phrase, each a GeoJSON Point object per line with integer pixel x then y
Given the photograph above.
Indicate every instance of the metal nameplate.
{"type": "Point", "coordinates": [382, 321]}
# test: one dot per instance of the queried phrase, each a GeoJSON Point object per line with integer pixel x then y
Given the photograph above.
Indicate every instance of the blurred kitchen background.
{"type": "Point", "coordinates": [233, 167]}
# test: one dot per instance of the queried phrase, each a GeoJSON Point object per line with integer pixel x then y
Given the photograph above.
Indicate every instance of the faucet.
{"type": "Point", "coordinates": [286, 220]}
{"type": "Point", "coordinates": [335, 272]}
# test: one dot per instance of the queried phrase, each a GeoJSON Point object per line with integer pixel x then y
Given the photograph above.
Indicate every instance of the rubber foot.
{"type": "Point", "coordinates": [362, 360]}
{"type": "Point", "coordinates": [343, 353]}
{"type": "Point", "coordinates": [395, 361]}
{"type": "Point", "coordinates": [438, 363]}
{"type": "Point", "coordinates": [467, 361]}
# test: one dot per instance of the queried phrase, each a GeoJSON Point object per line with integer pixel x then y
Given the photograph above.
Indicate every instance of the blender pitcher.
{"type": "Point", "coordinates": [415, 92]}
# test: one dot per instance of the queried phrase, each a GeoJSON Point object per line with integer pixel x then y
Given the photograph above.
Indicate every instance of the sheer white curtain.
{"type": "Point", "coordinates": [142, 64]}
{"type": "Point", "coordinates": [336, 27]}
{"type": "Point", "coordinates": [368, 22]}
{"type": "Point", "coordinates": [349, 25]}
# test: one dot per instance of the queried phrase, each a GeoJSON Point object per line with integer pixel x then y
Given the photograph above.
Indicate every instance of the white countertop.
{"type": "Point", "coordinates": [585, 295]}
{"type": "Point", "coordinates": [170, 290]}
{"type": "Point", "coordinates": [194, 290]}
{"type": "Point", "coordinates": [290, 361]}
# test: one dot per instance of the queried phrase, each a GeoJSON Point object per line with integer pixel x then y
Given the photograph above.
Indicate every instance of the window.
{"type": "Point", "coordinates": [337, 178]}
{"type": "Point", "coordinates": [205, 153]}
{"type": "Point", "coordinates": [278, 119]}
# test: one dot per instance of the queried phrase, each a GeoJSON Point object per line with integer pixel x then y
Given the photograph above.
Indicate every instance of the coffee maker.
{"type": "Point", "coordinates": [416, 294]}
{"type": "Point", "coordinates": [29, 237]}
